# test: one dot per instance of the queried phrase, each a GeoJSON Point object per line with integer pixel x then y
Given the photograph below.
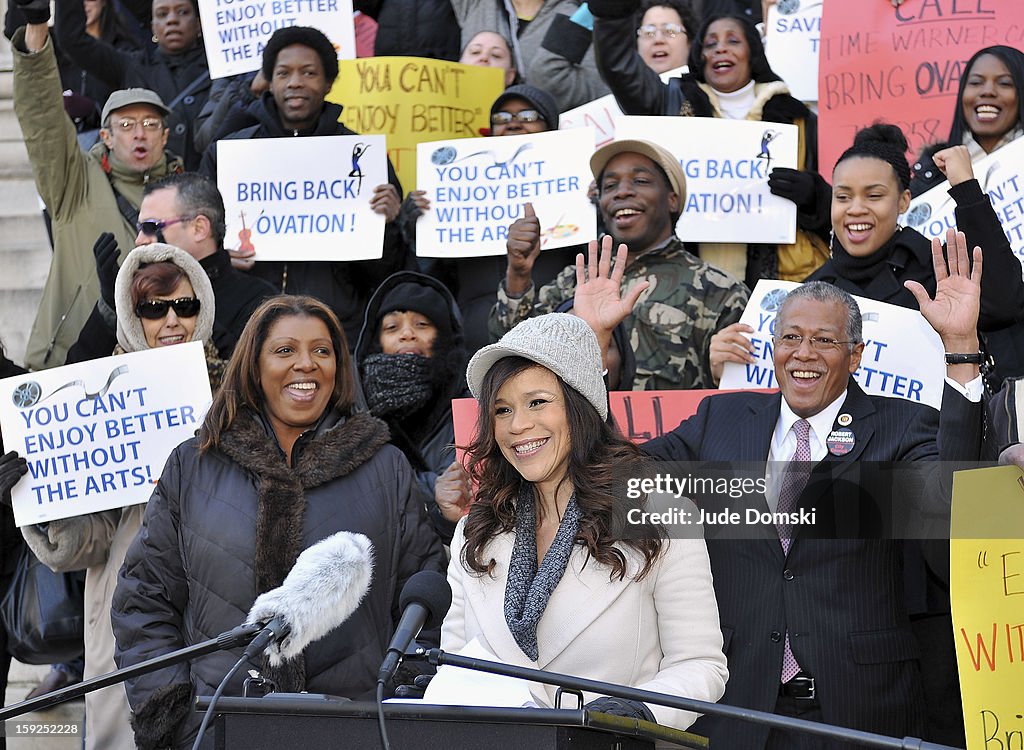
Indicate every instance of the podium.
{"type": "Point", "coordinates": [304, 722]}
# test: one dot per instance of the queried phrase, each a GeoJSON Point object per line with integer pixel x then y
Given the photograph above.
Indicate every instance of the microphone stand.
{"type": "Point", "coordinates": [240, 636]}
{"type": "Point", "coordinates": [437, 657]}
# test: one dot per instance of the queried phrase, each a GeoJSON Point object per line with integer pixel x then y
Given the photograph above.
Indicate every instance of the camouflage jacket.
{"type": "Point", "coordinates": [671, 326]}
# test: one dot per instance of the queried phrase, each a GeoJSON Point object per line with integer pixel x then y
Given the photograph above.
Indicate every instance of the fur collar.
{"type": "Point", "coordinates": [336, 448]}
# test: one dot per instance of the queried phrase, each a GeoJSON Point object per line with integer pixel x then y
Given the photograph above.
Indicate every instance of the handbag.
{"type": "Point", "coordinates": [43, 613]}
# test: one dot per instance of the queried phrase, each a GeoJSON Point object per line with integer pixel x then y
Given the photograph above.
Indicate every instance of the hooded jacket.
{"type": "Point", "coordinates": [426, 438]}
{"type": "Point", "coordinates": [97, 542]}
{"type": "Point", "coordinates": [79, 192]}
{"type": "Point", "coordinates": [344, 286]}
{"type": "Point", "coordinates": [221, 521]}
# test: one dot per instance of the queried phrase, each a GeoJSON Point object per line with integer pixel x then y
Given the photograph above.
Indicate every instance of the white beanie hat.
{"type": "Point", "coordinates": [561, 342]}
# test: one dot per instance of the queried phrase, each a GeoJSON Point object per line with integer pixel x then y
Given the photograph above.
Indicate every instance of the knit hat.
{"type": "Point", "coordinates": [307, 36]}
{"type": "Point", "coordinates": [127, 97]}
{"type": "Point", "coordinates": [130, 334]}
{"type": "Point", "coordinates": [563, 343]}
{"type": "Point", "coordinates": [669, 164]}
{"type": "Point", "coordinates": [418, 298]}
{"type": "Point", "coordinates": [540, 99]}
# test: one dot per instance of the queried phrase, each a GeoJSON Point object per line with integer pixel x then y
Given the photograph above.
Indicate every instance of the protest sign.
{"type": "Point", "coordinates": [412, 100]}
{"type": "Point", "coordinates": [987, 598]}
{"type": "Point", "coordinates": [794, 33]}
{"type": "Point", "coordinates": [1001, 175]}
{"type": "Point", "coordinates": [903, 355]}
{"type": "Point", "coordinates": [478, 187]}
{"type": "Point", "coordinates": [726, 164]}
{"type": "Point", "coordinates": [96, 434]}
{"type": "Point", "coordinates": [901, 65]}
{"type": "Point", "coordinates": [303, 198]}
{"type": "Point", "coordinates": [601, 113]}
{"type": "Point", "coordinates": [236, 31]}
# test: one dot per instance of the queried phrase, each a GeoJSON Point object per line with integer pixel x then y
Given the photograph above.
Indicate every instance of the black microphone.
{"type": "Point", "coordinates": [322, 590]}
{"type": "Point", "coordinates": [425, 600]}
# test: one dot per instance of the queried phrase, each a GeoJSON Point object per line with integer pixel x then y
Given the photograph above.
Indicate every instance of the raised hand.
{"type": "Point", "coordinates": [12, 468]}
{"type": "Point", "coordinates": [730, 345]}
{"type": "Point", "coordinates": [106, 252]}
{"type": "Point", "coordinates": [523, 247]}
{"type": "Point", "coordinates": [599, 298]}
{"type": "Point", "coordinates": [955, 163]}
{"type": "Point", "coordinates": [953, 313]}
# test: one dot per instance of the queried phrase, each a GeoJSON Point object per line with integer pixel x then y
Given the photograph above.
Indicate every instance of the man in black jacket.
{"type": "Point", "coordinates": [301, 64]}
{"type": "Point", "coordinates": [185, 210]}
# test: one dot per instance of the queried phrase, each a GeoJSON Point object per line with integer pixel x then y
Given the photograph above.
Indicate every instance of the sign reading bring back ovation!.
{"type": "Point", "coordinates": [96, 434]}
{"type": "Point", "coordinates": [303, 198]}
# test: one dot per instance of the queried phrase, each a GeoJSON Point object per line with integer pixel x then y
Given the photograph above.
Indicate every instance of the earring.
{"type": "Point", "coordinates": [155, 40]}
{"type": "Point", "coordinates": [831, 240]}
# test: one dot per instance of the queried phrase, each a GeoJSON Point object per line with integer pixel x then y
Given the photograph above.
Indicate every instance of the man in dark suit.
{"type": "Point", "coordinates": [817, 628]}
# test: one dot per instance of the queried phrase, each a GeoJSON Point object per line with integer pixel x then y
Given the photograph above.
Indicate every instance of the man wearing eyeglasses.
{"type": "Point", "coordinates": [85, 193]}
{"type": "Point", "coordinates": [813, 616]}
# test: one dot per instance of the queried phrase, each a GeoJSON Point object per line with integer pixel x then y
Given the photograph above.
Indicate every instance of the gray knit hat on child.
{"type": "Point", "coordinates": [562, 343]}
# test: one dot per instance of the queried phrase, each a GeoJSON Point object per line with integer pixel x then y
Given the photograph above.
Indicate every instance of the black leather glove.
{"type": "Point", "coordinates": [416, 689]}
{"type": "Point", "coordinates": [35, 11]}
{"type": "Point", "coordinates": [621, 707]}
{"type": "Point", "coordinates": [106, 253]}
{"type": "Point", "coordinates": [613, 8]}
{"type": "Point", "coordinates": [793, 185]}
{"type": "Point", "coordinates": [12, 468]}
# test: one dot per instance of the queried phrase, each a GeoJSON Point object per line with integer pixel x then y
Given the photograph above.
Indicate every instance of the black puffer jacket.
{"type": "Point", "coordinates": [192, 572]}
{"type": "Point", "coordinates": [344, 286]}
{"type": "Point", "coordinates": [417, 28]}
{"type": "Point", "coordinates": [167, 75]}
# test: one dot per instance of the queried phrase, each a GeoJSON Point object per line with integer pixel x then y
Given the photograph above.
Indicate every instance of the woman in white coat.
{"type": "Point", "coordinates": [540, 577]}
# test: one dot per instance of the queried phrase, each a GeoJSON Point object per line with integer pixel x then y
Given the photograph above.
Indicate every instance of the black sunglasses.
{"type": "Point", "coordinates": [154, 309]}
{"type": "Point", "coordinates": [154, 227]}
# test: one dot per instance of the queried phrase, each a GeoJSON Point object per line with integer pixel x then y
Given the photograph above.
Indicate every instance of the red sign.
{"type": "Point", "coordinates": [901, 65]}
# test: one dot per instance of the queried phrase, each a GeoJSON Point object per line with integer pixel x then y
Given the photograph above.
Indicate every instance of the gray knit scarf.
{"type": "Point", "coordinates": [529, 588]}
{"type": "Point", "coordinates": [397, 383]}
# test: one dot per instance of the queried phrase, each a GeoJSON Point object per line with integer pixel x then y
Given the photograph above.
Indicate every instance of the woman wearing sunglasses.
{"type": "Point", "coordinates": [163, 298]}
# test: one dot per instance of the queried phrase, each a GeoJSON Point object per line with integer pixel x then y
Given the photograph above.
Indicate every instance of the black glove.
{"type": "Point", "coordinates": [613, 8]}
{"type": "Point", "coordinates": [12, 468]}
{"type": "Point", "coordinates": [621, 707]}
{"type": "Point", "coordinates": [106, 253]}
{"type": "Point", "coordinates": [793, 185]}
{"type": "Point", "coordinates": [35, 11]}
{"type": "Point", "coordinates": [416, 689]}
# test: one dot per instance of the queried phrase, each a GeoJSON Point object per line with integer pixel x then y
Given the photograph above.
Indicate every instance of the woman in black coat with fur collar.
{"type": "Point", "coordinates": [281, 462]}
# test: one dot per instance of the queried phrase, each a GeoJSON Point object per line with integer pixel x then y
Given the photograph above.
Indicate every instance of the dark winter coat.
{"type": "Point", "coordinates": [344, 286]}
{"type": "Point", "coordinates": [221, 521]}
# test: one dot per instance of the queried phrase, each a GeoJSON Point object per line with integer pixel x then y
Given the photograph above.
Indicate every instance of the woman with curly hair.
{"type": "Point", "coordinates": [541, 574]}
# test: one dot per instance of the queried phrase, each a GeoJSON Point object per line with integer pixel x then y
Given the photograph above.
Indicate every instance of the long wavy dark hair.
{"type": "Point", "coordinates": [598, 457]}
{"type": "Point", "coordinates": [241, 385]}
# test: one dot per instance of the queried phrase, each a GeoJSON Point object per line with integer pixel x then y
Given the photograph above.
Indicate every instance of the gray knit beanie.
{"type": "Point", "coordinates": [563, 343]}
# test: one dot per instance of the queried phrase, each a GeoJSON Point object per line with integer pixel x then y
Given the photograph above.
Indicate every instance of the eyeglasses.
{"type": "Point", "coordinates": [154, 227]}
{"type": "Point", "coordinates": [154, 309]}
{"type": "Point", "coordinates": [128, 125]}
{"type": "Point", "coordinates": [670, 30]}
{"type": "Point", "coordinates": [525, 115]}
{"type": "Point", "coordinates": [818, 343]}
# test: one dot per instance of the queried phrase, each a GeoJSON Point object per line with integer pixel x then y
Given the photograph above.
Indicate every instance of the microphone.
{"type": "Point", "coordinates": [425, 600]}
{"type": "Point", "coordinates": [322, 590]}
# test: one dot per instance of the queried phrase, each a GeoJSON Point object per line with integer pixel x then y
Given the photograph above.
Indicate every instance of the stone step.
{"type": "Point", "coordinates": [10, 130]}
{"type": "Point", "coordinates": [24, 269]}
{"type": "Point", "coordinates": [23, 234]}
{"type": "Point", "coordinates": [14, 161]}
{"type": "Point", "coordinates": [17, 313]}
{"type": "Point", "coordinates": [18, 197]}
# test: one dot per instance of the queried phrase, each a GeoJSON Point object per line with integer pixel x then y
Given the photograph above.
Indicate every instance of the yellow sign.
{"type": "Point", "coordinates": [987, 585]}
{"type": "Point", "coordinates": [413, 100]}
